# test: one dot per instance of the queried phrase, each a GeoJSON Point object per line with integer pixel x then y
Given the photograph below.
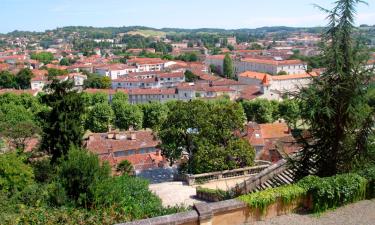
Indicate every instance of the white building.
{"type": "Point", "coordinates": [270, 66]}
{"type": "Point", "coordinates": [274, 87]}
{"type": "Point", "coordinates": [115, 70]}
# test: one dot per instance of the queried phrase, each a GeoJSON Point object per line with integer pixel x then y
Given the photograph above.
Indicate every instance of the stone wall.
{"type": "Point", "coordinates": [230, 212]}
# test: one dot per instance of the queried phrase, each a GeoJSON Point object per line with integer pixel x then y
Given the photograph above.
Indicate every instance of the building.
{"type": "Point", "coordinates": [270, 66]}
{"type": "Point", "coordinates": [147, 64]}
{"type": "Point", "coordinates": [217, 61]}
{"type": "Point", "coordinates": [274, 87]}
{"type": "Point", "coordinates": [149, 80]}
{"type": "Point", "coordinates": [271, 141]}
{"type": "Point", "coordinates": [114, 71]}
{"type": "Point", "coordinates": [140, 148]}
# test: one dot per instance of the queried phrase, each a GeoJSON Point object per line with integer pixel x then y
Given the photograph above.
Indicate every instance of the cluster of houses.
{"type": "Point", "coordinates": [265, 74]}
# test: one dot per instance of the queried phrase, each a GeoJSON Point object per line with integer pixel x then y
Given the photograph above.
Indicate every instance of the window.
{"type": "Point", "coordinates": [120, 153]}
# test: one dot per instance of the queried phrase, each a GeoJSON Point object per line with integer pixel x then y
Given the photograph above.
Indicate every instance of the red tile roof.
{"type": "Point", "coordinates": [273, 62]}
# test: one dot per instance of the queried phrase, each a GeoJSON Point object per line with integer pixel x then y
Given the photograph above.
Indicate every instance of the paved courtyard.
{"type": "Point", "coordinates": [179, 193]}
{"type": "Point", "coordinates": [175, 193]}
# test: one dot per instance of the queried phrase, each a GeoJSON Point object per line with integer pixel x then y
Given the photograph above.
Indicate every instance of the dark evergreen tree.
{"type": "Point", "coordinates": [62, 126]}
{"type": "Point", "coordinates": [334, 107]}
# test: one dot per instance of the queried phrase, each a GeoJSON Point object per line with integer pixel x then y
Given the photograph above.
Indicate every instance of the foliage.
{"type": "Point", "coordinates": [190, 76]}
{"type": "Point", "coordinates": [127, 115]}
{"type": "Point", "coordinates": [44, 57]}
{"type": "Point", "coordinates": [219, 194]}
{"type": "Point", "coordinates": [23, 78]}
{"type": "Point", "coordinates": [7, 80]}
{"type": "Point", "coordinates": [96, 81]}
{"type": "Point", "coordinates": [205, 131]}
{"type": "Point", "coordinates": [17, 125]}
{"type": "Point", "coordinates": [62, 125]}
{"type": "Point", "coordinates": [120, 97]}
{"type": "Point", "coordinates": [289, 110]}
{"type": "Point", "coordinates": [369, 174]}
{"type": "Point", "coordinates": [331, 192]}
{"type": "Point", "coordinates": [261, 110]}
{"type": "Point", "coordinates": [125, 168]}
{"type": "Point", "coordinates": [53, 72]}
{"type": "Point", "coordinates": [334, 106]}
{"type": "Point", "coordinates": [15, 175]}
{"type": "Point", "coordinates": [99, 118]}
{"type": "Point", "coordinates": [78, 173]}
{"type": "Point", "coordinates": [154, 114]}
{"type": "Point", "coordinates": [228, 67]}
{"type": "Point", "coordinates": [188, 57]}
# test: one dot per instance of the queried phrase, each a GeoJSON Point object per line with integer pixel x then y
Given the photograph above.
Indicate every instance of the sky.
{"type": "Point", "coordinates": [39, 15]}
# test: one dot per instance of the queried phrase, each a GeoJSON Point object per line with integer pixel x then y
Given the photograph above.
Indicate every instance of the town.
{"type": "Point", "coordinates": [118, 124]}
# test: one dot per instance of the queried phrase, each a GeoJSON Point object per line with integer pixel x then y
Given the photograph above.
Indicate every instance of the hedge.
{"type": "Point", "coordinates": [327, 193]}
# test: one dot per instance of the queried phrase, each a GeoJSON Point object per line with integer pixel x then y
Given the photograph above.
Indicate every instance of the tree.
{"type": "Point", "coordinates": [154, 114]}
{"type": "Point", "coordinates": [230, 47]}
{"type": "Point", "coordinates": [334, 106]}
{"type": "Point", "coordinates": [204, 131]}
{"type": "Point", "coordinates": [44, 57]}
{"type": "Point", "coordinates": [125, 168]}
{"type": "Point", "coordinates": [289, 110]}
{"type": "Point", "coordinates": [62, 125]}
{"type": "Point", "coordinates": [7, 80]}
{"type": "Point", "coordinates": [228, 67]}
{"type": "Point", "coordinates": [17, 125]}
{"type": "Point", "coordinates": [65, 62]}
{"type": "Point", "coordinates": [127, 115]}
{"type": "Point", "coordinates": [97, 81]}
{"type": "Point", "coordinates": [15, 175]}
{"type": "Point", "coordinates": [53, 72]}
{"type": "Point", "coordinates": [23, 78]}
{"type": "Point", "coordinates": [190, 76]}
{"type": "Point", "coordinates": [99, 118]}
{"type": "Point", "coordinates": [261, 110]}
{"type": "Point", "coordinates": [120, 97]}
{"type": "Point", "coordinates": [79, 172]}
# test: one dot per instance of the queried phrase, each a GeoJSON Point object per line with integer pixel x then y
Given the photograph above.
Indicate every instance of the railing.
{"type": "Point", "coordinates": [222, 175]}
{"type": "Point", "coordinates": [250, 184]}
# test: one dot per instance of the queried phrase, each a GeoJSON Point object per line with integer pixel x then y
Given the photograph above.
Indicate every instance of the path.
{"type": "Point", "coordinates": [361, 213]}
{"type": "Point", "coordinates": [175, 193]}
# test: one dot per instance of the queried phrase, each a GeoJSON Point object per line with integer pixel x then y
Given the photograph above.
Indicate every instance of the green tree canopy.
{"type": "Point", "coordinates": [23, 78]}
{"type": "Point", "coordinates": [62, 125]}
{"type": "Point", "coordinates": [44, 57]}
{"type": "Point", "coordinates": [154, 114]}
{"type": "Point", "coordinates": [127, 115]}
{"type": "Point", "coordinates": [7, 80]}
{"type": "Point", "coordinates": [228, 68]}
{"type": "Point", "coordinates": [99, 118]}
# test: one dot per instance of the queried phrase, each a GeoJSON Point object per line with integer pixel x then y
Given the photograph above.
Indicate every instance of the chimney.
{"type": "Point", "coordinates": [133, 136]}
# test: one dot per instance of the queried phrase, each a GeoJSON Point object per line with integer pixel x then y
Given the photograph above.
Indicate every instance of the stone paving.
{"type": "Point", "coordinates": [175, 193]}
{"type": "Point", "coordinates": [179, 193]}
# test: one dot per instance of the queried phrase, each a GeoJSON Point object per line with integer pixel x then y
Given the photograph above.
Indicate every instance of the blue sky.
{"type": "Point", "coordinates": [38, 15]}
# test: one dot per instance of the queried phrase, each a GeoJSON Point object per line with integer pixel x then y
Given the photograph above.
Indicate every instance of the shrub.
{"type": "Point", "coordinates": [79, 172]}
{"type": "Point", "coordinates": [331, 192]}
{"type": "Point", "coordinates": [214, 194]}
{"type": "Point", "coordinates": [261, 200]}
{"type": "Point", "coordinates": [129, 194]}
{"type": "Point", "coordinates": [15, 175]}
{"type": "Point", "coordinates": [369, 174]}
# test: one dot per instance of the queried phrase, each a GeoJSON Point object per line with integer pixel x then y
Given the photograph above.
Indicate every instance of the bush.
{"type": "Point", "coordinates": [369, 174]}
{"type": "Point", "coordinates": [214, 194]}
{"type": "Point", "coordinates": [261, 200]}
{"type": "Point", "coordinates": [79, 172]}
{"type": "Point", "coordinates": [331, 192]}
{"type": "Point", "coordinates": [129, 194]}
{"type": "Point", "coordinates": [15, 175]}
{"type": "Point", "coordinates": [44, 172]}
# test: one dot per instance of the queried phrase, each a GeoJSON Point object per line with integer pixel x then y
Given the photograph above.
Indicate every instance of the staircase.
{"type": "Point", "coordinates": [274, 176]}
